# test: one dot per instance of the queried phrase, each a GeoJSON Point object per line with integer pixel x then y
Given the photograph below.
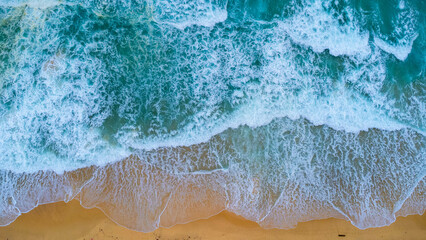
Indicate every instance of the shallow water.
{"type": "Point", "coordinates": [279, 111]}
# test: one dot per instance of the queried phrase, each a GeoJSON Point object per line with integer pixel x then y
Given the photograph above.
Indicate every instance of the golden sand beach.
{"type": "Point", "coordinates": [72, 221]}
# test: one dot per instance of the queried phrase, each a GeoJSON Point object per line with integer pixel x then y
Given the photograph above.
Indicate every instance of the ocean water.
{"type": "Point", "coordinates": [161, 112]}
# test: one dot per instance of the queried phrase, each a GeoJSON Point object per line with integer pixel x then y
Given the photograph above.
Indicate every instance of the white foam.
{"type": "Point", "coordinates": [273, 166]}
{"type": "Point", "coordinates": [285, 87]}
{"type": "Point", "coordinates": [401, 4]}
{"type": "Point", "coordinates": [312, 26]}
{"type": "Point", "coordinates": [55, 114]}
{"type": "Point", "coordinates": [184, 13]}
{"type": "Point", "coordinates": [400, 51]}
{"type": "Point", "coordinates": [404, 25]}
{"type": "Point", "coordinates": [274, 97]}
{"type": "Point", "coordinates": [342, 110]}
{"type": "Point", "coordinates": [40, 4]}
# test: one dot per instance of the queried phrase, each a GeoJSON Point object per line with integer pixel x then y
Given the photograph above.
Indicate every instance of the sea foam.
{"type": "Point", "coordinates": [162, 113]}
{"type": "Point", "coordinates": [185, 13]}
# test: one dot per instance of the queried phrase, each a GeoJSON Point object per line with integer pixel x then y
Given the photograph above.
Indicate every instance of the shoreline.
{"type": "Point", "coordinates": [72, 221]}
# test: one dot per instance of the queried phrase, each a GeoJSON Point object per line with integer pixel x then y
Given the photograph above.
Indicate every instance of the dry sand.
{"type": "Point", "coordinates": [71, 221]}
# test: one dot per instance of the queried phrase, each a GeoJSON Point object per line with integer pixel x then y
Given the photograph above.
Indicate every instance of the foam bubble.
{"type": "Point", "coordinates": [398, 50]}
{"type": "Point", "coordinates": [254, 116]}
{"type": "Point", "coordinates": [40, 4]}
{"type": "Point", "coordinates": [55, 109]}
{"type": "Point", "coordinates": [314, 26]}
{"type": "Point", "coordinates": [182, 14]}
{"type": "Point", "coordinates": [303, 172]}
{"type": "Point", "coordinates": [225, 80]}
{"type": "Point", "coordinates": [399, 39]}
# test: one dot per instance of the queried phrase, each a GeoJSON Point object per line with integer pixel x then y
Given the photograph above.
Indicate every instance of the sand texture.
{"type": "Point", "coordinates": [71, 221]}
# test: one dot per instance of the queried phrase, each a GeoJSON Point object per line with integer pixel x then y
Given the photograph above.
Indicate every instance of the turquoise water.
{"type": "Point", "coordinates": [285, 111]}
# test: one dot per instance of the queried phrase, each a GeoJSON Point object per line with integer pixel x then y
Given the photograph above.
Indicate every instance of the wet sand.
{"type": "Point", "coordinates": [71, 221]}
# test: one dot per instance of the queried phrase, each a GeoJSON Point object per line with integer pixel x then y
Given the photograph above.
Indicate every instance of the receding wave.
{"type": "Point", "coordinates": [278, 175]}
{"type": "Point", "coordinates": [162, 112]}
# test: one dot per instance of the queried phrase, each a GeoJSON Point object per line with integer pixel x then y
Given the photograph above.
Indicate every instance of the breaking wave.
{"type": "Point", "coordinates": [162, 112]}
